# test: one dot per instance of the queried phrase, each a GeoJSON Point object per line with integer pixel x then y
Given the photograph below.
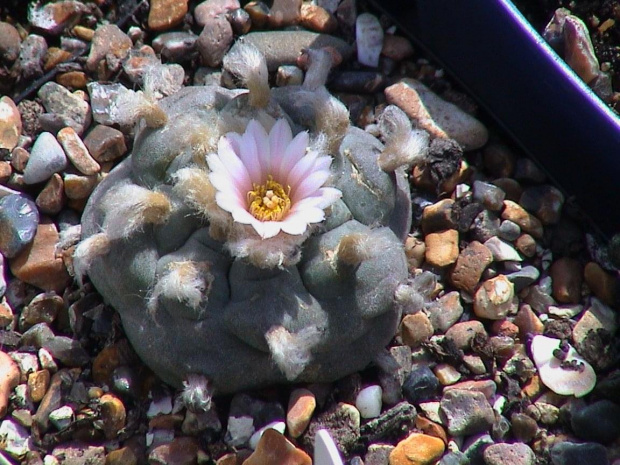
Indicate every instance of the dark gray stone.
{"type": "Point", "coordinates": [421, 385]}
{"type": "Point", "coordinates": [19, 218]}
{"type": "Point", "coordinates": [569, 453]}
{"type": "Point", "coordinates": [597, 422]}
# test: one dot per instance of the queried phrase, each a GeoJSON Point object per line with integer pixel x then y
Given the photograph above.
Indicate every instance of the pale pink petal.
{"type": "Point", "coordinates": [294, 152]}
{"type": "Point", "coordinates": [329, 195]}
{"type": "Point", "coordinates": [233, 165]}
{"type": "Point", "coordinates": [243, 216]}
{"type": "Point", "coordinates": [322, 163]}
{"type": "Point", "coordinates": [294, 225]}
{"type": "Point", "coordinates": [235, 141]}
{"type": "Point", "coordinates": [269, 229]}
{"type": "Point", "coordinates": [228, 203]}
{"type": "Point", "coordinates": [309, 185]}
{"type": "Point", "coordinates": [261, 139]}
{"type": "Point", "coordinates": [223, 183]}
{"type": "Point", "coordinates": [249, 156]}
{"type": "Point", "coordinates": [301, 169]}
{"type": "Point", "coordinates": [279, 138]}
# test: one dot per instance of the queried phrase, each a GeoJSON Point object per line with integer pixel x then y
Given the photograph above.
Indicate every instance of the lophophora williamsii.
{"type": "Point", "coordinates": [253, 236]}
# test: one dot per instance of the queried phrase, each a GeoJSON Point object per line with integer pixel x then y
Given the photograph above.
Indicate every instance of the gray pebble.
{"type": "Point", "coordinates": [33, 51]}
{"type": "Point", "coordinates": [37, 336]}
{"type": "Point", "coordinates": [509, 454]}
{"type": "Point", "coordinates": [240, 21]}
{"type": "Point", "coordinates": [485, 225]}
{"type": "Point", "coordinates": [19, 219]}
{"type": "Point", "coordinates": [59, 100]}
{"type": "Point", "coordinates": [454, 458]}
{"type": "Point", "coordinates": [176, 47]}
{"type": "Point", "coordinates": [475, 446]}
{"type": "Point", "coordinates": [357, 82]}
{"type": "Point", "coordinates": [46, 158]}
{"type": "Point", "coordinates": [215, 40]}
{"type": "Point", "coordinates": [369, 39]}
{"type": "Point", "coordinates": [569, 453]}
{"type": "Point", "coordinates": [466, 412]}
{"type": "Point", "coordinates": [502, 251]}
{"type": "Point", "coordinates": [492, 197]}
{"type": "Point", "coordinates": [524, 277]}
{"type": "Point", "coordinates": [597, 422]}
{"type": "Point", "coordinates": [509, 230]}
{"type": "Point", "coordinates": [289, 75]}
{"type": "Point", "coordinates": [67, 350]}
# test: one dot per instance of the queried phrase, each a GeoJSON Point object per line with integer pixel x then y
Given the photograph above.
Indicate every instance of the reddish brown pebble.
{"type": "Point", "coordinates": [108, 42]}
{"type": "Point", "coordinates": [396, 47]}
{"type": "Point", "coordinates": [10, 42]}
{"type": "Point", "coordinates": [284, 13]}
{"type": "Point", "coordinates": [442, 248]}
{"type": "Point", "coordinates": [462, 334]}
{"type": "Point", "coordinates": [9, 378]}
{"type": "Point", "coordinates": [105, 143]}
{"type": "Point", "coordinates": [10, 123]}
{"type": "Point", "coordinates": [54, 57]}
{"type": "Point", "coordinates": [470, 265]}
{"type": "Point", "coordinates": [431, 428]}
{"type": "Point", "coordinates": [415, 250]}
{"type": "Point", "coordinates": [417, 449]}
{"type": "Point", "coordinates": [274, 448]}
{"type": "Point", "coordinates": [566, 275]}
{"type": "Point", "coordinates": [77, 152]}
{"type": "Point", "coordinates": [19, 159]}
{"type": "Point", "coordinates": [5, 171]}
{"type": "Point", "coordinates": [106, 361]}
{"type": "Point", "coordinates": [78, 187]}
{"type": "Point", "coordinates": [212, 8]}
{"type": "Point", "coordinates": [603, 285]}
{"type": "Point", "coordinates": [180, 451]}
{"type": "Point", "coordinates": [517, 214]}
{"type": "Point", "coordinates": [511, 187]}
{"type": "Point", "coordinates": [54, 17]}
{"type": "Point", "coordinates": [317, 19]}
{"type": "Point", "coordinates": [72, 79]}
{"type": "Point", "coordinates": [528, 322]}
{"type": "Point", "coordinates": [113, 415]}
{"type": "Point", "coordinates": [485, 386]}
{"type": "Point", "coordinates": [166, 14]}
{"type": "Point", "coordinates": [38, 382]}
{"type": "Point", "coordinates": [438, 216]}
{"type": "Point", "coordinates": [122, 456]}
{"type": "Point", "coordinates": [170, 421]}
{"type": "Point", "coordinates": [52, 197]}
{"type": "Point", "coordinates": [38, 264]}
{"type": "Point", "coordinates": [416, 329]}
{"type": "Point", "coordinates": [301, 406]}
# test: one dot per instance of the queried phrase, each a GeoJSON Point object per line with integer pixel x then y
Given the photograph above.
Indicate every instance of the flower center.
{"type": "Point", "coordinates": [269, 201]}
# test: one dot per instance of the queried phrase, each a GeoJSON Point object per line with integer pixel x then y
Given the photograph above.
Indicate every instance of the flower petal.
{"type": "Point", "coordinates": [301, 169]}
{"type": "Point", "coordinates": [295, 151]}
{"type": "Point", "coordinates": [233, 165]}
{"type": "Point", "coordinates": [249, 156]}
{"type": "Point", "coordinates": [261, 140]}
{"type": "Point", "coordinates": [223, 183]}
{"type": "Point", "coordinates": [269, 229]}
{"type": "Point", "coordinates": [279, 139]}
{"type": "Point", "coordinates": [310, 185]}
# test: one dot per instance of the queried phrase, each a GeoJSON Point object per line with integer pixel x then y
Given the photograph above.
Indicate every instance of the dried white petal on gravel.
{"type": "Point", "coordinates": [577, 380]}
{"type": "Point", "coordinates": [369, 39]}
{"type": "Point", "coordinates": [368, 401]}
{"type": "Point", "coordinates": [46, 158]}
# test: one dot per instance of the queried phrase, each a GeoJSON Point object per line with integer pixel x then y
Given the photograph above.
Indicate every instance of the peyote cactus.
{"type": "Point", "coordinates": [242, 256]}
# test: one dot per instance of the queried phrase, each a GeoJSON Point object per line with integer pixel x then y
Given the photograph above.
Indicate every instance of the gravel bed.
{"type": "Point", "coordinates": [507, 356]}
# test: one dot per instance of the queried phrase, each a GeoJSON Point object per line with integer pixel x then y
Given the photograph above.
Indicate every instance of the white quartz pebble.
{"type": "Point", "coordinates": [368, 401]}
{"type": "Point", "coordinates": [369, 39]}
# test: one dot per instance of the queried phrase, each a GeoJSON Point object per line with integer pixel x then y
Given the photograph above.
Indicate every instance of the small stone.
{"type": "Point", "coordinates": [499, 160]}
{"type": "Point", "coordinates": [421, 385]}
{"type": "Point", "coordinates": [475, 364]}
{"type": "Point", "coordinates": [369, 39]}
{"type": "Point", "coordinates": [509, 231]}
{"type": "Point", "coordinates": [447, 374]}
{"type": "Point", "coordinates": [566, 274]}
{"type": "Point", "coordinates": [378, 454]}
{"type": "Point", "coordinates": [284, 13]}
{"type": "Point", "coordinates": [470, 265]}
{"type": "Point", "coordinates": [317, 19]}
{"type": "Point", "coordinates": [212, 8]}
{"type": "Point", "coordinates": [10, 42]}
{"type": "Point", "coordinates": [603, 285]}
{"type": "Point", "coordinates": [502, 251]}
{"type": "Point", "coordinates": [526, 244]}
{"type": "Point", "coordinates": [528, 322]}
{"type": "Point", "coordinates": [530, 224]}
{"type": "Point", "coordinates": [509, 454]}
{"type": "Point", "coordinates": [71, 452]}
{"type": "Point", "coordinates": [491, 196]}
{"type": "Point", "coordinates": [590, 334]}
{"type": "Point", "coordinates": [438, 216]}
{"type": "Point", "coordinates": [72, 79]}
{"type": "Point", "coordinates": [105, 143]}
{"type": "Point", "coordinates": [258, 12]}
{"type": "Point", "coordinates": [343, 423]}
{"type": "Point", "coordinates": [54, 17]}
{"type": "Point", "coordinates": [597, 422]}
{"type": "Point", "coordinates": [485, 225]}
{"type": "Point", "coordinates": [31, 56]}
{"type": "Point", "coordinates": [214, 40]}
{"type": "Point", "coordinates": [484, 386]}
{"type": "Point", "coordinates": [46, 158]}
{"type": "Point", "coordinates": [38, 382]}
{"type": "Point", "coordinates": [177, 47]}
{"type": "Point", "coordinates": [289, 76]}
{"type": "Point", "coordinates": [78, 187]}
{"type": "Point", "coordinates": [301, 406]}
{"type": "Point", "coordinates": [436, 116]}
{"type": "Point", "coordinates": [571, 375]}
{"type": "Point", "coordinates": [445, 311]}
{"type": "Point", "coordinates": [544, 201]}
{"type": "Point", "coordinates": [240, 21]}
{"type": "Point", "coordinates": [19, 220]}
{"type": "Point", "coordinates": [179, 451]}
{"type": "Point", "coordinates": [494, 299]}
{"type": "Point", "coordinates": [38, 265]}
{"type": "Point", "coordinates": [51, 199]}
{"type": "Point", "coordinates": [416, 329]}
{"type": "Point", "coordinates": [368, 401]}
{"type": "Point", "coordinates": [578, 49]}
{"type": "Point", "coordinates": [239, 430]}
{"type": "Point", "coordinates": [109, 43]}
{"type": "Point", "coordinates": [463, 334]}
{"type": "Point", "coordinates": [10, 120]}
{"type": "Point", "coordinates": [523, 277]}
{"type": "Point", "coordinates": [113, 415]}
{"type": "Point", "coordinates": [166, 14]}
{"type": "Point", "coordinates": [42, 309]}
{"type": "Point", "coordinates": [77, 152]}
{"type": "Point", "coordinates": [279, 426]}
{"type": "Point", "coordinates": [466, 412]}
{"type": "Point", "coordinates": [417, 449]}
{"type": "Point", "coordinates": [569, 453]}
{"type": "Point", "coordinates": [442, 248]}
{"type": "Point", "coordinates": [6, 312]}
{"type": "Point", "coordinates": [273, 448]}
{"type": "Point", "coordinates": [62, 417]}
{"type": "Point", "coordinates": [524, 427]}
{"type": "Point", "coordinates": [396, 47]}
{"type": "Point", "coordinates": [16, 440]}
{"type": "Point", "coordinates": [70, 106]}
{"type": "Point", "coordinates": [123, 456]}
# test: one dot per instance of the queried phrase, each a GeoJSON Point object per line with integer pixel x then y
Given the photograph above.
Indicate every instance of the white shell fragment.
{"type": "Point", "coordinates": [369, 39]}
{"type": "Point", "coordinates": [325, 450]}
{"type": "Point", "coordinates": [577, 380]}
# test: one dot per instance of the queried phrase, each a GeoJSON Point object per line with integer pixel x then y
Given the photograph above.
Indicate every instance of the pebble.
{"type": "Point", "coordinates": [501, 250]}
{"type": "Point", "coordinates": [215, 40]}
{"type": "Point", "coordinates": [273, 448]}
{"type": "Point", "coordinates": [342, 421]}
{"type": "Point", "coordinates": [445, 311]}
{"type": "Point", "coordinates": [454, 458]}
{"type": "Point", "coordinates": [123, 456]}
{"type": "Point", "coordinates": [105, 143]}
{"type": "Point", "coordinates": [526, 244]}
{"type": "Point", "coordinates": [524, 427]}
{"type": "Point", "coordinates": [579, 51]}
{"type": "Point", "coordinates": [485, 225]}
{"type": "Point", "coordinates": [528, 322]}
{"type": "Point", "coordinates": [72, 79]}
{"type": "Point", "coordinates": [368, 401]}
{"type": "Point", "coordinates": [509, 231]}
{"type": "Point", "coordinates": [51, 199]}
{"type": "Point", "coordinates": [46, 158]}
{"type": "Point", "coordinates": [176, 47]}
{"type": "Point", "coordinates": [491, 196]}
{"type": "Point", "coordinates": [289, 75]}
{"type": "Point", "coordinates": [10, 42]}
{"type": "Point", "coordinates": [179, 451]}
{"type": "Point", "coordinates": [436, 116]}
{"type": "Point", "coordinates": [523, 277]}
{"type": "Point", "coordinates": [239, 430]}
{"type": "Point", "coordinates": [113, 415]}
{"type": "Point", "coordinates": [577, 381]}
{"type": "Point", "coordinates": [438, 216]}
{"type": "Point", "coordinates": [509, 454]}
{"type": "Point", "coordinates": [240, 21]}
{"type": "Point", "coordinates": [369, 39]}
{"type": "Point", "coordinates": [378, 454]}
{"type": "Point", "coordinates": [416, 329]}
{"type": "Point", "coordinates": [62, 417]}
{"type": "Point", "coordinates": [494, 299]}
{"type": "Point", "coordinates": [442, 248]}
{"type": "Point", "coordinates": [258, 12]}
{"type": "Point", "coordinates": [396, 47]}
{"type": "Point", "coordinates": [284, 13]}
{"type": "Point", "coordinates": [38, 264]}
{"type": "Point", "coordinates": [279, 426]}
{"type": "Point", "coordinates": [431, 428]}
{"type": "Point", "coordinates": [392, 374]}
{"type": "Point", "coordinates": [79, 187]}
{"type": "Point", "coordinates": [325, 449]}
{"type": "Point", "coordinates": [78, 452]}
{"type": "Point", "coordinates": [317, 18]}
{"type": "Point", "coordinates": [16, 439]}
{"type": "Point", "coordinates": [358, 82]}
{"type": "Point", "coordinates": [484, 386]}
{"type": "Point", "coordinates": [31, 56]}
{"type": "Point", "coordinates": [466, 412]}
{"type": "Point", "coordinates": [111, 44]}
{"type": "Point", "coordinates": [9, 379]}
{"type": "Point", "coordinates": [417, 449]}
{"type": "Point", "coordinates": [301, 405]}
{"type": "Point", "coordinates": [282, 47]}
{"type": "Point", "coordinates": [77, 152]}
{"type": "Point", "coordinates": [544, 201]}
{"type": "Point", "coordinates": [212, 8]}
{"type": "Point", "coordinates": [166, 14]}
{"type": "Point", "coordinates": [597, 422]}
{"type": "Point", "coordinates": [10, 122]}
{"type": "Point", "coordinates": [566, 274]}
{"type": "Point", "coordinates": [447, 374]}
{"type": "Point", "coordinates": [516, 213]}
{"type": "Point", "coordinates": [462, 334]}
{"type": "Point", "coordinates": [421, 385]}
{"type": "Point", "coordinates": [569, 453]}
{"type": "Point", "coordinates": [470, 265]}
{"type": "Point", "coordinates": [19, 219]}
{"type": "Point", "coordinates": [603, 285]}
{"type": "Point", "coordinates": [38, 382]}
{"type": "Point", "coordinates": [53, 18]}
{"type": "Point", "coordinates": [70, 106]}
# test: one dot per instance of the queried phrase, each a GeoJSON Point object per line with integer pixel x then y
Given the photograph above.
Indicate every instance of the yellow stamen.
{"type": "Point", "coordinates": [269, 201]}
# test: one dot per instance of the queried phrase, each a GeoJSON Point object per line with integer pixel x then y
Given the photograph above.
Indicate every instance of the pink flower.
{"type": "Point", "coordinates": [272, 182]}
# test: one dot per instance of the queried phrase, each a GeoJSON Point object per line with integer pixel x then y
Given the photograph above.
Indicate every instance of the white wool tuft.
{"type": "Point", "coordinates": [87, 251]}
{"type": "Point", "coordinates": [247, 63]}
{"type": "Point", "coordinates": [184, 281]}
{"type": "Point", "coordinates": [404, 146]}
{"type": "Point", "coordinates": [69, 237]}
{"type": "Point", "coordinates": [129, 208]}
{"type": "Point", "coordinates": [197, 393]}
{"type": "Point", "coordinates": [291, 351]}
